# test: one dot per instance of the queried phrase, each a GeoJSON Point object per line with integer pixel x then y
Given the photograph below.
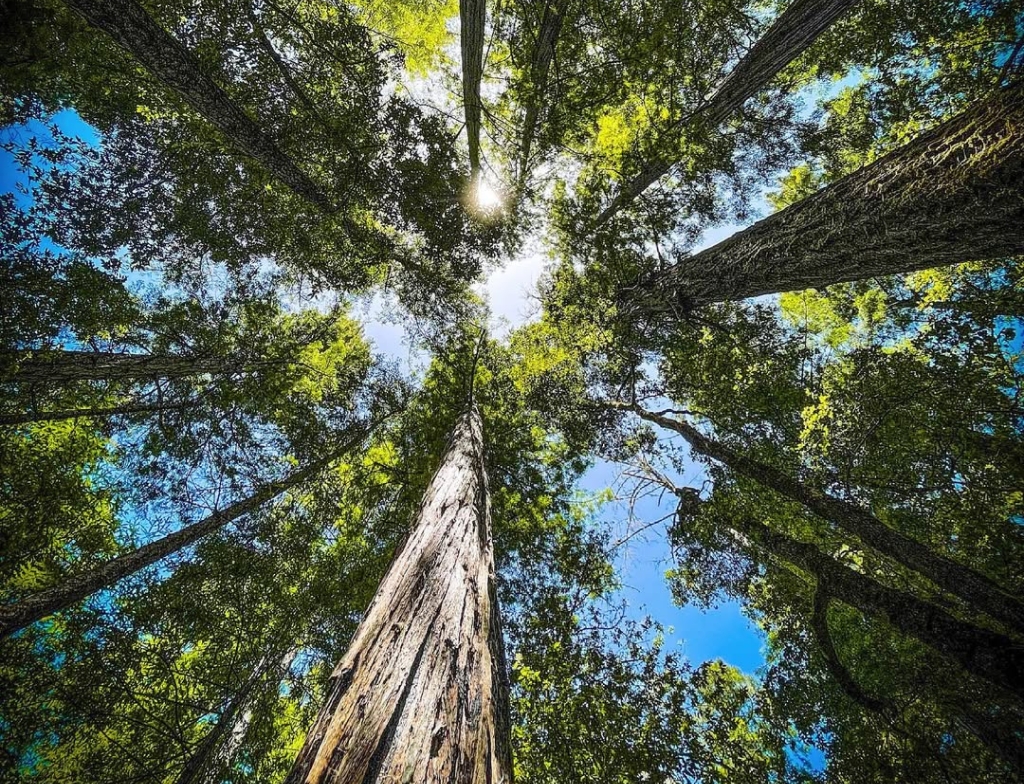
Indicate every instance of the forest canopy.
{"type": "Point", "coordinates": [300, 482]}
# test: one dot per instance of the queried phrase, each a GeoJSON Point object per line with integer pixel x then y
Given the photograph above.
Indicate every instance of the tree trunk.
{"type": "Point", "coordinates": [89, 413]}
{"type": "Point", "coordinates": [989, 655]}
{"type": "Point", "coordinates": [421, 695]}
{"type": "Point", "coordinates": [173, 64]}
{"type": "Point", "coordinates": [65, 367]}
{"type": "Point", "coordinates": [217, 750]}
{"type": "Point", "coordinates": [472, 14]}
{"type": "Point", "coordinates": [795, 30]}
{"type": "Point", "coordinates": [76, 587]}
{"type": "Point", "coordinates": [978, 591]}
{"type": "Point", "coordinates": [952, 195]}
{"type": "Point", "coordinates": [543, 54]}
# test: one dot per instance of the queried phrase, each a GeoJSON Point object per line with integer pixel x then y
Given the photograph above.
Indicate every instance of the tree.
{"type": "Point", "coordinates": [472, 18]}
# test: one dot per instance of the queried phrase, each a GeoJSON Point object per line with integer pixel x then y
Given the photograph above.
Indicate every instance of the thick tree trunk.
{"type": "Point", "coordinates": [472, 15]}
{"type": "Point", "coordinates": [65, 367]}
{"type": "Point", "coordinates": [994, 657]}
{"type": "Point", "coordinates": [421, 694]}
{"type": "Point", "coordinates": [217, 750]}
{"type": "Point", "coordinates": [978, 591]}
{"type": "Point", "coordinates": [954, 194]}
{"type": "Point", "coordinates": [543, 54]}
{"type": "Point", "coordinates": [173, 64]}
{"type": "Point", "coordinates": [89, 413]}
{"type": "Point", "coordinates": [797, 28]}
{"type": "Point", "coordinates": [76, 587]}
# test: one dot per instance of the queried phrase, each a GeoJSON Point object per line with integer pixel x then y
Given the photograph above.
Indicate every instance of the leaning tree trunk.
{"type": "Point", "coordinates": [984, 653]}
{"type": "Point", "coordinates": [797, 28]}
{"type": "Point", "coordinates": [65, 367]}
{"type": "Point", "coordinates": [218, 748]}
{"type": "Point", "coordinates": [472, 14]}
{"type": "Point", "coordinates": [97, 412]}
{"type": "Point", "coordinates": [173, 64]}
{"type": "Point", "coordinates": [978, 591]}
{"type": "Point", "coordinates": [73, 589]}
{"type": "Point", "coordinates": [421, 694]}
{"type": "Point", "coordinates": [954, 194]}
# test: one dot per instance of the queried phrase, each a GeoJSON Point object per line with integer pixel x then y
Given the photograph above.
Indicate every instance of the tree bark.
{"type": "Point", "coordinates": [90, 413]}
{"type": "Point", "coordinates": [76, 587]}
{"type": "Point", "coordinates": [975, 589]}
{"type": "Point", "coordinates": [472, 15]}
{"type": "Point", "coordinates": [986, 654]}
{"type": "Point", "coordinates": [543, 54]}
{"type": "Point", "coordinates": [173, 64]}
{"type": "Point", "coordinates": [65, 367]}
{"type": "Point", "coordinates": [421, 695]}
{"type": "Point", "coordinates": [952, 195]}
{"type": "Point", "coordinates": [795, 30]}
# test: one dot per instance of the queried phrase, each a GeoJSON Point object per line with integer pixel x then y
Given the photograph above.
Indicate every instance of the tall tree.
{"type": "Point", "coordinates": [422, 692]}
{"type": "Point", "coordinates": [472, 19]}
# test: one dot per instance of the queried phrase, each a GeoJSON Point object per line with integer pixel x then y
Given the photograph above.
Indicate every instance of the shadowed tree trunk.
{"type": "Point", "coordinates": [978, 591]}
{"type": "Point", "coordinates": [421, 695]}
{"type": "Point", "coordinates": [472, 15]}
{"type": "Point", "coordinates": [76, 587]}
{"type": "Point", "coordinates": [796, 29]}
{"type": "Point", "coordinates": [952, 195]}
{"type": "Point", "coordinates": [96, 412]}
{"type": "Point", "coordinates": [217, 750]}
{"type": "Point", "coordinates": [987, 654]}
{"type": "Point", "coordinates": [65, 367]}
{"type": "Point", "coordinates": [543, 54]}
{"type": "Point", "coordinates": [173, 64]}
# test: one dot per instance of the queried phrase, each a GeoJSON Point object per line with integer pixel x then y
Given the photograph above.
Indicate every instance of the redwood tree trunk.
{"type": "Point", "coordinates": [76, 587]}
{"type": "Point", "coordinates": [173, 64]}
{"type": "Point", "coordinates": [544, 53]}
{"type": "Point", "coordinates": [797, 28]}
{"type": "Point", "coordinates": [978, 591]}
{"type": "Point", "coordinates": [65, 367]}
{"type": "Point", "coordinates": [472, 14]}
{"type": "Point", "coordinates": [421, 694]}
{"type": "Point", "coordinates": [952, 195]}
{"type": "Point", "coordinates": [96, 412]}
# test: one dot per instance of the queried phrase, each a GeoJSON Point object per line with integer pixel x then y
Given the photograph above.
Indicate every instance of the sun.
{"type": "Point", "coordinates": [488, 199]}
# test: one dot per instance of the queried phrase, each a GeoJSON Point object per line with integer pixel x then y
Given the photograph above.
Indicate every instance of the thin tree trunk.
{"type": "Point", "coordinates": [76, 587]}
{"type": "Point", "coordinates": [978, 591]}
{"type": "Point", "coordinates": [472, 14]}
{"type": "Point", "coordinates": [987, 654]}
{"type": "Point", "coordinates": [173, 64]}
{"type": "Point", "coordinates": [794, 31]}
{"type": "Point", "coordinates": [543, 54]}
{"type": "Point", "coordinates": [90, 413]}
{"type": "Point", "coordinates": [952, 195]}
{"type": "Point", "coordinates": [65, 367]}
{"type": "Point", "coordinates": [421, 694]}
{"type": "Point", "coordinates": [217, 750]}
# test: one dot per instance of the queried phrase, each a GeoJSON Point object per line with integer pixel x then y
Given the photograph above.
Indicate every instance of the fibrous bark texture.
{"type": "Point", "coordinates": [421, 695]}
{"type": "Point", "coordinates": [65, 367]}
{"type": "Point", "coordinates": [78, 586]}
{"type": "Point", "coordinates": [976, 590]}
{"type": "Point", "coordinates": [954, 194]}
{"type": "Point", "coordinates": [173, 64]}
{"type": "Point", "coordinates": [472, 14]}
{"type": "Point", "coordinates": [543, 54]}
{"type": "Point", "coordinates": [796, 29]}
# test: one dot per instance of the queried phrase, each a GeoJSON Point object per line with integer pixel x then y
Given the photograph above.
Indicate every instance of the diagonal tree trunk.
{"type": "Point", "coordinates": [421, 695]}
{"type": "Point", "coordinates": [472, 15]}
{"type": "Point", "coordinates": [543, 54]}
{"type": "Point", "coordinates": [954, 194]}
{"type": "Point", "coordinates": [173, 64]}
{"type": "Point", "coordinates": [987, 654]}
{"type": "Point", "coordinates": [91, 413]}
{"type": "Point", "coordinates": [978, 591]}
{"type": "Point", "coordinates": [76, 587]}
{"type": "Point", "coordinates": [218, 748]}
{"type": "Point", "coordinates": [795, 30]}
{"type": "Point", "coordinates": [65, 367]}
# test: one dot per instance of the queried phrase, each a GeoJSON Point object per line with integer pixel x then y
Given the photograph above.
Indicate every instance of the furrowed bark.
{"type": "Point", "coordinates": [975, 589]}
{"type": "Point", "coordinates": [218, 749]}
{"type": "Point", "coordinates": [472, 14]}
{"type": "Point", "coordinates": [173, 64]}
{"type": "Point", "coordinates": [41, 604]}
{"type": "Point", "coordinates": [421, 694]}
{"type": "Point", "coordinates": [952, 195]}
{"type": "Point", "coordinates": [987, 654]}
{"type": "Point", "coordinates": [91, 413]}
{"type": "Point", "coordinates": [543, 54]}
{"type": "Point", "coordinates": [795, 30]}
{"type": "Point", "coordinates": [65, 367]}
